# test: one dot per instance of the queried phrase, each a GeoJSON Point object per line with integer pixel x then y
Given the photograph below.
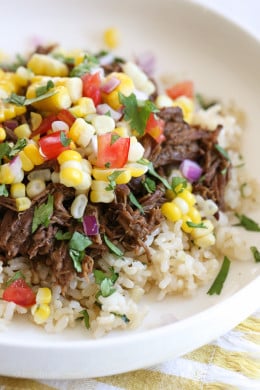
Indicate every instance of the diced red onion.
{"type": "Point", "coordinates": [16, 166]}
{"type": "Point", "coordinates": [147, 62]}
{"type": "Point", "coordinates": [59, 126]}
{"type": "Point", "coordinates": [106, 59]}
{"type": "Point", "coordinates": [110, 85]}
{"type": "Point", "coordinates": [90, 225]}
{"type": "Point", "coordinates": [190, 170]}
{"type": "Point", "coordinates": [103, 109]}
{"type": "Point", "coordinates": [11, 124]}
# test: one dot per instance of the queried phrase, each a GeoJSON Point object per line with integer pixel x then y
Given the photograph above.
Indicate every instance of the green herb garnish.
{"type": "Point", "coordinates": [196, 225]}
{"type": "Point", "coordinates": [137, 113]}
{"type": "Point", "coordinates": [85, 317]}
{"type": "Point", "coordinates": [222, 151]}
{"type": "Point", "coordinates": [43, 89]}
{"type": "Point", "coordinates": [65, 141]}
{"type": "Point", "coordinates": [204, 103]}
{"type": "Point", "coordinates": [12, 67]}
{"type": "Point", "coordinates": [247, 223]}
{"type": "Point", "coordinates": [153, 172]}
{"type": "Point", "coordinates": [108, 164]}
{"type": "Point", "coordinates": [122, 316]}
{"type": "Point", "coordinates": [218, 283]}
{"type": "Point", "coordinates": [149, 185]}
{"type": "Point", "coordinates": [114, 138]}
{"type": "Point", "coordinates": [3, 190]}
{"type": "Point", "coordinates": [62, 236]}
{"type": "Point", "coordinates": [17, 275]}
{"type": "Point", "coordinates": [112, 180]}
{"type": "Point", "coordinates": [89, 62]}
{"type": "Point", "coordinates": [178, 184]}
{"type": "Point", "coordinates": [66, 60]}
{"type": "Point", "coordinates": [106, 282]}
{"type": "Point", "coordinates": [20, 144]}
{"type": "Point", "coordinates": [42, 214]}
{"type": "Point", "coordinates": [77, 245]}
{"type": "Point", "coordinates": [135, 202]}
{"type": "Point", "coordinates": [113, 248]}
{"type": "Point", "coordinates": [255, 253]}
{"type": "Point", "coordinates": [23, 101]}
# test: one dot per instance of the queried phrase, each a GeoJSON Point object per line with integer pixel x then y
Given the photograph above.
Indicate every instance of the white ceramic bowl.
{"type": "Point", "coordinates": [224, 62]}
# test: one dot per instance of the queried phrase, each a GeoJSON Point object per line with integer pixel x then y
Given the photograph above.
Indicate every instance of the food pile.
{"type": "Point", "coordinates": [98, 166]}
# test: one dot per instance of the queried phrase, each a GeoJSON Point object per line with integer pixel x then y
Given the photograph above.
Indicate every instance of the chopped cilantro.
{"type": "Point", "coordinates": [220, 278]}
{"type": "Point", "coordinates": [17, 275]}
{"type": "Point", "coordinates": [178, 184]}
{"type": "Point", "coordinates": [42, 214]}
{"type": "Point", "coordinates": [3, 190]}
{"type": "Point", "coordinates": [247, 223]}
{"type": "Point", "coordinates": [66, 60]}
{"type": "Point", "coordinates": [255, 253]}
{"type": "Point", "coordinates": [113, 248]}
{"type": "Point", "coordinates": [112, 180]}
{"type": "Point", "coordinates": [4, 149]}
{"type": "Point", "coordinates": [223, 171]}
{"type": "Point", "coordinates": [106, 282]}
{"type": "Point", "coordinates": [222, 151]}
{"type": "Point", "coordinates": [122, 316]}
{"type": "Point", "coordinates": [135, 202]}
{"type": "Point", "coordinates": [23, 101]}
{"type": "Point", "coordinates": [62, 236]}
{"type": "Point", "coordinates": [149, 185]}
{"type": "Point", "coordinates": [20, 144]}
{"type": "Point", "coordinates": [65, 141]}
{"type": "Point", "coordinates": [114, 138]}
{"type": "Point", "coordinates": [107, 165]}
{"type": "Point", "coordinates": [136, 113]}
{"type": "Point", "coordinates": [152, 172]}
{"type": "Point", "coordinates": [85, 317]}
{"type": "Point", "coordinates": [12, 67]}
{"type": "Point", "coordinates": [204, 103]}
{"type": "Point", "coordinates": [196, 225]}
{"type": "Point", "coordinates": [89, 62]}
{"type": "Point", "coordinates": [44, 88]}
{"type": "Point", "coordinates": [77, 245]}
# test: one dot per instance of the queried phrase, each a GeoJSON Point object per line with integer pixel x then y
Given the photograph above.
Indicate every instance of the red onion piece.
{"type": "Point", "coordinates": [106, 59]}
{"type": "Point", "coordinates": [103, 109]}
{"type": "Point", "coordinates": [110, 85]}
{"type": "Point", "coordinates": [90, 225]}
{"type": "Point", "coordinates": [190, 170]}
{"type": "Point", "coordinates": [16, 165]}
{"type": "Point", "coordinates": [11, 124]}
{"type": "Point", "coordinates": [147, 62]}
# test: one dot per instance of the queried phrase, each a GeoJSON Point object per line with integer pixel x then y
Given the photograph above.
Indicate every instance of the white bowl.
{"type": "Point", "coordinates": [224, 62]}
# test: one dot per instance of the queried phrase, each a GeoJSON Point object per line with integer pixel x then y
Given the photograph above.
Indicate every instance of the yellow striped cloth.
{"type": "Point", "coordinates": [232, 362]}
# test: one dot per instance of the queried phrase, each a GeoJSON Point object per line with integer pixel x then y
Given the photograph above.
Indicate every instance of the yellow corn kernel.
{"type": "Point", "coordinates": [32, 152]}
{"type": "Point", "coordinates": [170, 195]}
{"type": "Point", "coordinates": [85, 106]}
{"type": "Point", "coordinates": [185, 227]}
{"type": "Point", "coordinates": [163, 101]}
{"type": "Point", "coordinates": [70, 177]}
{"type": "Point", "coordinates": [200, 232]}
{"type": "Point", "coordinates": [205, 241]}
{"type": "Point", "coordinates": [36, 120]}
{"type": "Point", "coordinates": [122, 131]}
{"type": "Point", "coordinates": [41, 313]}
{"type": "Point", "coordinates": [78, 206]}
{"type": "Point", "coordinates": [23, 76]}
{"type": "Point", "coordinates": [35, 187]}
{"type": "Point", "coordinates": [136, 169]}
{"type": "Point", "coordinates": [9, 111]}
{"type": "Point", "coordinates": [2, 134]}
{"type": "Point", "coordinates": [81, 132]}
{"type": "Point", "coordinates": [171, 211]}
{"type": "Point", "coordinates": [23, 203]}
{"type": "Point", "coordinates": [182, 204]}
{"type": "Point", "coordinates": [103, 175]}
{"type": "Point", "coordinates": [27, 164]}
{"type": "Point", "coordinates": [194, 215]}
{"type": "Point", "coordinates": [17, 190]}
{"type": "Point", "coordinates": [187, 106]}
{"type": "Point", "coordinates": [58, 101]}
{"type": "Point", "coordinates": [73, 85]}
{"type": "Point", "coordinates": [188, 197]}
{"type": "Point", "coordinates": [43, 295]}
{"type": "Point", "coordinates": [6, 175]}
{"type": "Point", "coordinates": [46, 65]}
{"type": "Point", "coordinates": [19, 110]}
{"type": "Point", "coordinates": [136, 150]}
{"type": "Point", "coordinates": [23, 131]}
{"type": "Point", "coordinates": [126, 87]}
{"type": "Point", "coordinates": [85, 184]}
{"type": "Point", "coordinates": [69, 155]}
{"type": "Point", "coordinates": [111, 37]}
{"type": "Point", "coordinates": [102, 196]}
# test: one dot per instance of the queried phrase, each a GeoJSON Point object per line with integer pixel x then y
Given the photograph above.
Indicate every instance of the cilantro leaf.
{"type": "Point", "coordinates": [114, 138]}
{"type": "Point", "coordinates": [44, 88]}
{"type": "Point", "coordinates": [153, 172]}
{"type": "Point", "coordinates": [23, 101]}
{"type": "Point", "coordinates": [106, 287]}
{"type": "Point", "coordinates": [62, 236]}
{"type": "Point", "coordinates": [17, 275]}
{"type": "Point", "coordinates": [135, 202]}
{"type": "Point", "coordinates": [222, 151]}
{"type": "Point", "coordinates": [4, 149]}
{"type": "Point", "coordinates": [178, 184]}
{"type": "Point", "coordinates": [196, 225]}
{"type": "Point", "coordinates": [66, 60]}
{"type": "Point", "coordinates": [65, 141]}
{"type": "Point", "coordinates": [77, 245]}
{"type": "Point", "coordinates": [85, 317]}
{"type": "Point", "coordinates": [122, 316]}
{"type": "Point", "coordinates": [149, 185]}
{"type": "Point", "coordinates": [113, 248]}
{"type": "Point", "coordinates": [20, 144]}
{"type": "Point", "coordinates": [136, 113]}
{"type": "Point", "coordinates": [89, 62]}
{"type": "Point", "coordinates": [220, 278]}
{"type": "Point", "coordinates": [42, 214]}
{"type": "Point", "coordinates": [105, 282]}
{"type": "Point", "coordinates": [256, 253]}
{"type": "Point", "coordinates": [112, 180]}
{"type": "Point", "coordinates": [12, 67]}
{"type": "Point", "coordinates": [3, 190]}
{"type": "Point", "coordinates": [204, 103]}
{"type": "Point", "coordinates": [247, 223]}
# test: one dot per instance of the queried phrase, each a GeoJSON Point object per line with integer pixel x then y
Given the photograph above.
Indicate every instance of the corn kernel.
{"type": "Point", "coordinates": [170, 195]}
{"type": "Point", "coordinates": [36, 120]}
{"type": "Point", "coordinates": [171, 211]}
{"type": "Point", "coordinates": [27, 164]}
{"type": "Point", "coordinates": [19, 110]}
{"type": "Point", "coordinates": [136, 150]}
{"type": "Point", "coordinates": [186, 228]}
{"type": "Point", "coordinates": [2, 134]}
{"type": "Point", "coordinates": [35, 187]}
{"type": "Point", "coordinates": [43, 295]}
{"type": "Point", "coordinates": [163, 101]}
{"type": "Point", "coordinates": [111, 37]}
{"type": "Point", "coordinates": [194, 215]}
{"type": "Point", "coordinates": [99, 185]}
{"type": "Point", "coordinates": [200, 232]}
{"type": "Point", "coordinates": [102, 196]}
{"type": "Point", "coordinates": [17, 190]}
{"type": "Point", "coordinates": [9, 111]}
{"type": "Point", "coordinates": [205, 241]}
{"type": "Point", "coordinates": [41, 313]}
{"type": "Point", "coordinates": [73, 85]}
{"type": "Point", "coordinates": [45, 65]}
{"type": "Point", "coordinates": [187, 107]}
{"type": "Point", "coordinates": [23, 203]}
{"type": "Point", "coordinates": [182, 204]}
{"type": "Point", "coordinates": [32, 152]}
{"type": "Point", "coordinates": [85, 106]}
{"type": "Point", "coordinates": [78, 206]}
{"type": "Point", "coordinates": [188, 197]}
{"type": "Point", "coordinates": [122, 131]}
{"type": "Point", "coordinates": [85, 183]}
{"type": "Point", "coordinates": [103, 124]}
{"type": "Point", "coordinates": [136, 169]}
{"type": "Point", "coordinates": [23, 76]}
{"type": "Point", "coordinates": [70, 177]}
{"type": "Point", "coordinates": [58, 101]}
{"type": "Point", "coordinates": [126, 87]}
{"type": "Point", "coordinates": [23, 131]}
{"type": "Point", "coordinates": [81, 132]}
{"type": "Point", "coordinates": [103, 175]}
{"type": "Point", "coordinates": [69, 155]}
{"type": "Point", "coordinates": [6, 175]}
{"type": "Point", "coordinates": [40, 174]}
{"type": "Point", "coordinates": [139, 78]}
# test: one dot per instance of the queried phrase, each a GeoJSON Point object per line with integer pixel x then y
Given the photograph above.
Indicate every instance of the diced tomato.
{"type": "Point", "coordinates": [112, 151]}
{"type": "Point", "coordinates": [51, 145]}
{"type": "Point", "coordinates": [20, 293]}
{"type": "Point", "coordinates": [66, 116]}
{"type": "Point", "coordinates": [45, 126]}
{"type": "Point", "coordinates": [91, 87]}
{"type": "Point", "coordinates": [184, 88]}
{"type": "Point", "coordinates": [155, 127]}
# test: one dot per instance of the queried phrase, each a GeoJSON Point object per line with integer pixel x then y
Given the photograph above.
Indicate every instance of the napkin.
{"type": "Point", "coordinates": [232, 362]}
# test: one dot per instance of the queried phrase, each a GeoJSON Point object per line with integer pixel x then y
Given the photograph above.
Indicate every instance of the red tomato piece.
{"type": "Point", "coordinates": [51, 145]}
{"type": "Point", "coordinates": [184, 88]}
{"type": "Point", "coordinates": [20, 293]}
{"type": "Point", "coordinates": [66, 116]}
{"type": "Point", "coordinates": [45, 125]}
{"type": "Point", "coordinates": [112, 151]}
{"type": "Point", "coordinates": [155, 127]}
{"type": "Point", "coordinates": [91, 87]}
